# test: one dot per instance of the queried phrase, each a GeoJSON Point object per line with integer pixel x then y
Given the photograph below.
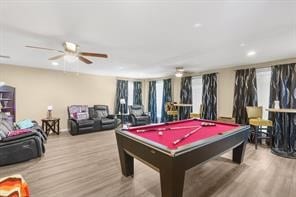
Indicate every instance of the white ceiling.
{"type": "Point", "coordinates": [148, 38]}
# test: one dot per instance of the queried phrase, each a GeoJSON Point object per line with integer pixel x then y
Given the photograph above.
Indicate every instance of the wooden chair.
{"type": "Point", "coordinates": [256, 121]}
{"type": "Point", "coordinates": [171, 110]}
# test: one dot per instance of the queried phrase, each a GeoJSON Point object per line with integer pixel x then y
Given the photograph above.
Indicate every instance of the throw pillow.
{"type": "Point", "coordinates": [102, 113]}
{"type": "Point", "coordinates": [2, 135]}
{"type": "Point", "coordinates": [4, 131]}
{"type": "Point", "coordinates": [8, 124]}
{"type": "Point", "coordinates": [82, 116]}
{"type": "Point", "coordinates": [138, 112]}
{"type": "Point", "coordinates": [24, 124]}
{"type": "Point", "coordinates": [18, 132]}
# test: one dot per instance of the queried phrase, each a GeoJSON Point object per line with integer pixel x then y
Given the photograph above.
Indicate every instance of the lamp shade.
{"type": "Point", "coordinates": [122, 101]}
{"type": "Point", "coordinates": [49, 108]}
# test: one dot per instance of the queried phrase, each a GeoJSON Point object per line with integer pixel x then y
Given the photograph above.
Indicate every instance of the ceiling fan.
{"type": "Point", "coordinates": [71, 53]}
{"type": "Point", "coordinates": [180, 72]}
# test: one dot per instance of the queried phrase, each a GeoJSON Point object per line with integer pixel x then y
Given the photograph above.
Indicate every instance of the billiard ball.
{"type": "Point", "coordinates": [160, 133]}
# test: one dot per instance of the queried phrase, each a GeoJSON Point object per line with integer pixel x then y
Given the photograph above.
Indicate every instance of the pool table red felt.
{"type": "Point", "coordinates": [169, 136]}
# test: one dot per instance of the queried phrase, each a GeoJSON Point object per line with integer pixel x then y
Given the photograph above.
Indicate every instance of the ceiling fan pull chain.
{"type": "Point", "coordinates": [77, 68]}
{"type": "Point", "coordinates": [64, 66]}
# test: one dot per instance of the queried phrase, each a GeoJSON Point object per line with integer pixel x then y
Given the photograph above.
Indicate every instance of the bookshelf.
{"type": "Point", "coordinates": [7, 101]}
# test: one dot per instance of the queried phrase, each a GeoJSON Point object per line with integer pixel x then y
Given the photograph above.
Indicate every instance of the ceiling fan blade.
{"type": "Point", "coordinates": [83, 59]}
{"type": "Point", "coordinates": [56, 57]}
{"type": "Point", "coordinates": [5, 56]}
{"type": "Point", "coordinates": [94, 54]}
{"type": "Point", "coordinates": [44, 48]}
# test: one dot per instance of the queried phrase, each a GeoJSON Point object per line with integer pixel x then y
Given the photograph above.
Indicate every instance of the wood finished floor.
{"type": "Point", "coordinates": [88, 165]}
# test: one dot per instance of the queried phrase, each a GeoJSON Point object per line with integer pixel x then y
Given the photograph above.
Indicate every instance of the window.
{"type": "Point", "coordinates": [196, 94]}
{"type": "Point", "coordinates": [263, 76]}
{"type": "Point", "coordinates": [159, 93]}
{"type": "Point", "coordinates": [130, 93]}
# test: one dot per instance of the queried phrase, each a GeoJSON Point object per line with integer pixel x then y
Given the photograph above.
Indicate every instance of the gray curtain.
{"type": "Point", "coordinates": [283, 89]}
{"type": "Point", "coordinates": [121, 92]}
{"type": "Point", "coordinates": [209, 96]}
{"type": "Point", "coordinates": [245, 94]}
{"type": "Point", "coordinates": [152, 101]}
{"type": "Point", "coordinates": [137, 93]}
{"type": "Point", "coordinates": [185, 97]}
{"type": "Point", "coordinates": [166, 97]}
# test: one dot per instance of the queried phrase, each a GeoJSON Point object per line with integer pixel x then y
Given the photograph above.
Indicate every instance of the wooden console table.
{"type": "Point", "coordinates": [52, 124]}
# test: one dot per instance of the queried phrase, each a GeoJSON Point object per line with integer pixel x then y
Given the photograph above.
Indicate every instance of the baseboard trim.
{"type": "Point", "coordinates": [64, 130]}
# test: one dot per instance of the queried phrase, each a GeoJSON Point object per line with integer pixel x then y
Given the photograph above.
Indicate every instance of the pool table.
{"type": "Point", "coordinates": [174, 147]}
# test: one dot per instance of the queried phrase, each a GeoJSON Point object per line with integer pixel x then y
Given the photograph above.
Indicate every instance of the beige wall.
{"type": "Point", "coordinates": [38, 88]}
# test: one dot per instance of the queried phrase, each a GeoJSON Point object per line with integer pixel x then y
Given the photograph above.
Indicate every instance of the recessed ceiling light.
{"type": "Point", "coordinates": [197, 25]}
{"type": "Point", "coordinates": [242, 44]}
{"type": "Point", "coordinates": [251, 53]}
{"type": "Point", "coordinates": [54, 63]}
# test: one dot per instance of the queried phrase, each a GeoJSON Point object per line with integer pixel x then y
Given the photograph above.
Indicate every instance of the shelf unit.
{"type": "Point", "coordinates": [7, 101]}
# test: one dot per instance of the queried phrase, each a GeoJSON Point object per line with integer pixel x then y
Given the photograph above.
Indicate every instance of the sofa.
{"type": "Point", "coordinates": [107, 121]}
{"type": "Point", "coordinates": [18, 145]}
{"type": "Point", "coordinates": [84, 119]}
{"type": "Point", "coordinates": [137, 116]}
{"type": "Point", "coordinates": [79, 120]}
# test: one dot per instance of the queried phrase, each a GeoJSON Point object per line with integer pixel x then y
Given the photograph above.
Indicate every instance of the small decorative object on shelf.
{"type": "Point", "coordinates": [49, 109]}
{"type": "Point", "coordinates": [7, 101]}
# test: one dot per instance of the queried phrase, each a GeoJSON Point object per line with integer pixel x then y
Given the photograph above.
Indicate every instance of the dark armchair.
{"type": "Point", "coordinates": [80, 121]}
{"type": "Point", "coordinates": [138, 116]}
{"type": "Point", "coordinates": [107, 121]}
{"type": "Point", "coordinates": [22, 147]}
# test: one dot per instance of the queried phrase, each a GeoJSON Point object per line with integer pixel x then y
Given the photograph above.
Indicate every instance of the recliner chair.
{"type": "Point", "coordinates": [138, 116]}
{"type": "Point", "coordinates": [107, 121]}
{"type": "Point", "coordinates": [21, 147]}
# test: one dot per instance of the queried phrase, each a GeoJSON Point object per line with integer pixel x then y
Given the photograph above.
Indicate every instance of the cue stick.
{"type": "Point", "coordinates": [186, 136]}
{"type": "Point", "coordinates": [165, 129]}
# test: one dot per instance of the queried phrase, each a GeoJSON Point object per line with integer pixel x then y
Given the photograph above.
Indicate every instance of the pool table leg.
{"type": "Point", "coordinates": [172, 182]}
{"type": "Point", "coordinates": [127, 163]}
{"type": "Point", "coordinates": [239, 152]}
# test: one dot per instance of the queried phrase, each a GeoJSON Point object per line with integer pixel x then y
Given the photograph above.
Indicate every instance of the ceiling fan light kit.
{"type": "Point", "coordinates": [70, 58]}
{"type": "Point", "coordinates": [71, 47]}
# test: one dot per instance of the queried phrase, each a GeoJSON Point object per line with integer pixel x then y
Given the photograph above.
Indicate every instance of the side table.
{"type": "Point", "coordinates": [51, 124]}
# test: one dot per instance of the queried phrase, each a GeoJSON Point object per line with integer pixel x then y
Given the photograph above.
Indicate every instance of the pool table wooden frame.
{"type": "Point", "coordinates": [171, 163]}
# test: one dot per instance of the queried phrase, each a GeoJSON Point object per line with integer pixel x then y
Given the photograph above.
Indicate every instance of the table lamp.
{"type": "Point", "coordinates": [122, 103]}
{"type": "Point", "coordinates": [49, 109]}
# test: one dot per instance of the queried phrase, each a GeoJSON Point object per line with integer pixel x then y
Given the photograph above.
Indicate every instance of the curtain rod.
{"type": "Point", "coordinates": [265, 64]}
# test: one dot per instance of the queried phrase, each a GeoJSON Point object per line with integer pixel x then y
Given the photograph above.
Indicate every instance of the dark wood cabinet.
{"type": "Point", "coordinates": [7, 101]}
